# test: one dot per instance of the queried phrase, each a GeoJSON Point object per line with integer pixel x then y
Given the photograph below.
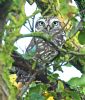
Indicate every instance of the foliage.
{"type": "Point", "coordinates": [72, 53]}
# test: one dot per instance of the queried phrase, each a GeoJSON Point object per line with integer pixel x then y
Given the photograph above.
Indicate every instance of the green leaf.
{"type": "Point", "coordinates": [45, 1]}
{"type": "Point", "coordinates": [34, 65]}
{"type": "Point", "coordinates": [82, 50]}
{"type": "Point", "coordinates": [60, 86]}
{"type": "Point", "coordinates": [38, 88]}
{"type": "Point", "coordinates": [74, 29]}
{"type": "Point", "coordinates": [83, 90]}
{"type": "Point", "coordinates": [36, 96]}
{"type": "Point", "coordinates": [77, 82]}
{"type": "Point", "coordinates": [33, 84]}
{"type": "Point", "coordinates": [17, 2]}
{"type": "Point", "coordinates": [36, 91]}
{"type": "Point", "coordinates": [75, 95]}
{"type": "Point", "coordinates": [81, 37]}
{"type": "Point", "coordinates": [53, 77]}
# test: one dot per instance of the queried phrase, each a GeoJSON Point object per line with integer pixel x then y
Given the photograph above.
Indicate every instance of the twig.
{"type": "Point", "coordinates": [33, 23]}
{"type": "Point", "coordinates": [30, 25]}
{"type": "Point", "coordinates": [29, 82]}
{"type": "Point", "coordinates": [27, 28]}
{"type": "Point", "coordinates": [27, 85]}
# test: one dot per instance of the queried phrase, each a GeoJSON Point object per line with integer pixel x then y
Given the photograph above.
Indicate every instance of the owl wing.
{"type": "Point", "coordinates": [44, 52]}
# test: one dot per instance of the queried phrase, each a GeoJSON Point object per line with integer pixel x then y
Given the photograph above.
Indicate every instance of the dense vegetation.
{"type": "Point", "coordinates": [41, 86]}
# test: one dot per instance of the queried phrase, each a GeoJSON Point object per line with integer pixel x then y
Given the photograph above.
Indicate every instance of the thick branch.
{"type": "Point", "coordinates": [20, 62]}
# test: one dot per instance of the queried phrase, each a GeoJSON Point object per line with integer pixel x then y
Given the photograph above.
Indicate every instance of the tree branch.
{"type": "Point", "coordinates": [48, 38]}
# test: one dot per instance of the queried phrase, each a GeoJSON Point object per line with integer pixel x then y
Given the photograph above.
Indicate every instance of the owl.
{"type": "Point", "coordinates": [43, 52]}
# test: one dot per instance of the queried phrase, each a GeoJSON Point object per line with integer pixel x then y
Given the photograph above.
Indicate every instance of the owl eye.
{"type": "Point", "coordinates": [55, 23]}
{"type": "Point", "coordinates": [41, 23]}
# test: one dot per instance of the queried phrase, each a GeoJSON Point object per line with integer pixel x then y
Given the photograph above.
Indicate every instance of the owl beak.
{"type": "Point", "coordinates": [48, 28]}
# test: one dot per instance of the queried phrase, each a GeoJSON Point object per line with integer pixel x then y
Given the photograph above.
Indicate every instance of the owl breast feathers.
{"type": "Point", "coordinates": [44, 51]}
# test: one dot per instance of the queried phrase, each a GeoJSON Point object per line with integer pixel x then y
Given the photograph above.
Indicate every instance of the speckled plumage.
{"type": "Point", "coordinates": [44, 51]}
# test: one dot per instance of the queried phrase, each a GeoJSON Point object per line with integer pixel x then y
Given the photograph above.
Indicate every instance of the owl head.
{"type": "Point", "coordinates": [48, 25]}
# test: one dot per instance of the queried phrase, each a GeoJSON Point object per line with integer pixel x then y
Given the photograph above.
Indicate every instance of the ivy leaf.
{"type": "Point", "coordinates": [81, 37]}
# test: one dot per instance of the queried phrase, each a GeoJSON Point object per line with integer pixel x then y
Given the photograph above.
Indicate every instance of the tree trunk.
{"type": "Point", "coordinates": [4, 7]}
{"type": "Point", "coordinates": [3, 90]}
{"type": "Point", "coordinates": [3, 87]}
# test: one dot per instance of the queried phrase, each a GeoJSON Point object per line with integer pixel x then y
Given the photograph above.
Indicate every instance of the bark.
{"type": "Point", "coordinates": [4, 8]}
{"type": "Point", "coordinates": [26, 65]}
{"type": "Point", "coordinates": [3, 87]}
